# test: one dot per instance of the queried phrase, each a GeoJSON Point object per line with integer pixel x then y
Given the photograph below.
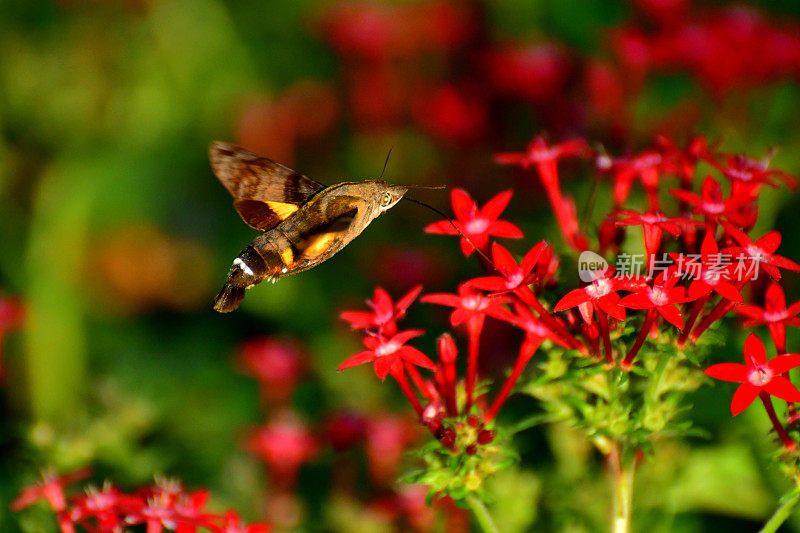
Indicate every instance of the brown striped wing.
{"type": "Point", "coordinates": [264, 192]}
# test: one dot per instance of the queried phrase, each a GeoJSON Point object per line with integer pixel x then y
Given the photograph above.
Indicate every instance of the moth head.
{"type": "Point", "coordinates": [389, 195]}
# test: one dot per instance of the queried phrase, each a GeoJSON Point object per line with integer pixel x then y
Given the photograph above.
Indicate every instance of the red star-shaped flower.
{"type": "Point", "coordinates": [661, 296]}
{"type": "Point", "coordinates": [50, 488]}
{"type": "Point", "coordinates": [654, 224]}
{"type": "Point", "coordinates": [761, 252]}
{"type": "Point", "coordinates": [384, 314]}
{"type": "Point", "coordinates": [600, 293]}
{"type": "Point", "coordinates": [477, 224]}
{"type": "Point", "coordinates": [711, 273]}
{"type": "Point", "coordinates": [710, 202]}
{"type": "Point", "coordinates": [512, 275]}
{"type": "Point", "coordinates": [757, 374]}
{"type": "Point", "coordinates": [387, 352]}
{"type": "Point", "coordinates": [774, 314]}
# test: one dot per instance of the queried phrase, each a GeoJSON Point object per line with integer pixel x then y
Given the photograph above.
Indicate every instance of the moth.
{"type": "Point", "coordinates": [303, 222]}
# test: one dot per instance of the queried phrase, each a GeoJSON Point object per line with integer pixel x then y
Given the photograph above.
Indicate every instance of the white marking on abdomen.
{"type": "Point", "coordinates": [241, 264]}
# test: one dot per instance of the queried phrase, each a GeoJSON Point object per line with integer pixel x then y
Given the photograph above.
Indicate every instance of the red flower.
{"type": "Point", "coordinates": [710, 202]}
{"type": "Point", "coordinates": [545, 159]}
{"type": "Point", "coordinates": [647, 166]}
{"type": "Point", "coordinates": [511, 275]}
{"type": "Point", "coordinates": [653, 223]}
{"type": "Point", "coordinates": [106, 507]}
{"type": "Point", "coordinates": [232, 523]}
{"type": "Point", "coordinates": [468, 304]}
{"type": "Point", "coordinates": [662, 297]}
{"type": "Point", "coordinates": [284, 444]}
{"type": "Point", "coordinates": [388, 352]}
{"type": "Point", "coordinates": [277, 365]}
{"type": "Point", "coordinates": [709, 274]}
{"type": "Point", "coordinates": [451, 114]}
{"type": "Point", "coordinates": [477, 224]}
{"type": "Point", "coordinates": [50, 488]}
{"type": "Point", "coordinates": [384, 314]}
{"type": "Point", "coordinates": [757, 374]}
{"type": "Point", "coordinates": [774, 314]}
{"type": "Point", "coordinates": [747, 175]}
{"type": "Point", "coordinates": [600, 293]}
{"type": "Point", "coordinates": [761, 252]}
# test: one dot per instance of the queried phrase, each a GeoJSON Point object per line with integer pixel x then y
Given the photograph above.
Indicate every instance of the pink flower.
{"type": "Point", "coordinates": [477, 224]}
{"type": "Point", "coordinates": [757, 374]}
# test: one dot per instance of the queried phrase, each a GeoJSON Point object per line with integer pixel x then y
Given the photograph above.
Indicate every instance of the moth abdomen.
{"type": "Point", "coordinates": [248, 269]}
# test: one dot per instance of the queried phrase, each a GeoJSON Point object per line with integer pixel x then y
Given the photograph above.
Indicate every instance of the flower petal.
{"type": "Point", "coordinates": [360, 358]}
{"type": "Point", "coordinates": [743, 397]}
{"type": "Point", "coordinates": [443, 227]}
{"type": "Point", "coordinates": [503, 260]}
{"type": "Point", "coordinates": [782, 388]}
{"type": "Point", "coordinates": [754, 349]}
{"type": "Point", "coordinates": [735, 372]}
{"type": "Point", "coordinates": [782, 363]}
{"type": "Point", "coordinates": [416, 357]}
{"type": "Point", "coordinates": [671, 315]}
{"type": "Point", "coordinates": [495, 207]}
{"type": "Point", "coordinates": [464, 206]}
{"type": "Point", "coordinates": [571, 299]}
{"type": "Point", "coordinates": [503, 228]}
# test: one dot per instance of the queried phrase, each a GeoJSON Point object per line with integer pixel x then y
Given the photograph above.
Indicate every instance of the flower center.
{"type": "Point", "coordinates": [598, 288]}
{"type": "Point", "coordinates": [514, 280]}
{"type": "Point", "coordinates": [474, 303]}
{"type": "Point", "coordinates": [476, 225]}
{"type": "Point", "coordinates": [759, 376]}
{"type": "Point", "coordinates": [658, 296]}
{"type": "Point", "coordinates": [741, 175]}
{"type": "Point", "coordinates": [387, 348]}
{"type": "Point", "coordinates": [714, 208]}
{"type": "Point", "coordinates": [774, 316]}
{"type": "Point", "coordinates": [756, 253]}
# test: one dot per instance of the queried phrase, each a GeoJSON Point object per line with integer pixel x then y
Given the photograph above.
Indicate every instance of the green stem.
{"type": "Point", "coordinates": [782, 513]}
{"type": "Point", "coordinates": [623, 490]}
{"type": "Point", "coordinates": [655, 379]}
{"type": "Point", "coordinates": [482, 514]}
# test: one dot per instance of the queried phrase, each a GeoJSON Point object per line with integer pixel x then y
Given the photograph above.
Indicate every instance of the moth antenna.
{"type": "Point", "coordinates": [480, 252]}
{"type": "Point", "coordinates": [386, 163]}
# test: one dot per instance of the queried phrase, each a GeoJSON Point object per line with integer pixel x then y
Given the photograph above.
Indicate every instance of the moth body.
{"type": "Point", "coordinates": [303, 222]}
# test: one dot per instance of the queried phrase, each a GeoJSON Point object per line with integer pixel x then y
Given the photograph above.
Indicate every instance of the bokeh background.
{"type": "Point", "coordinates": [115, 235]}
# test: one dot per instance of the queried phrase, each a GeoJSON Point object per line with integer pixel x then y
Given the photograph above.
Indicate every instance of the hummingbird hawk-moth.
{"type": "Point", "coordinates": [303, 222]}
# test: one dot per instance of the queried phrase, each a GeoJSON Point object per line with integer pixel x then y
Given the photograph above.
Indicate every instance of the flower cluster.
{"type": "Point", "coordinates": [724, 47]}
{"type": "Point", "coordinates": [609, 317]}
{"type": "Point", "coordinates": [398, 63]}
{"type": "Point", "coordinates": [164, 506]}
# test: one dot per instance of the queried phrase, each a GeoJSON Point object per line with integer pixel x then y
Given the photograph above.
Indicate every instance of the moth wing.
{"type": "Point", "coordinates": [264, 192]}
{"type": "Point", "coordinates": [323, 241]}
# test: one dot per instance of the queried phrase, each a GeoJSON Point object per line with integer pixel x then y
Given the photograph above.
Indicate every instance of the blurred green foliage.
{"type": "Point", "coordinates": [106, 112]}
